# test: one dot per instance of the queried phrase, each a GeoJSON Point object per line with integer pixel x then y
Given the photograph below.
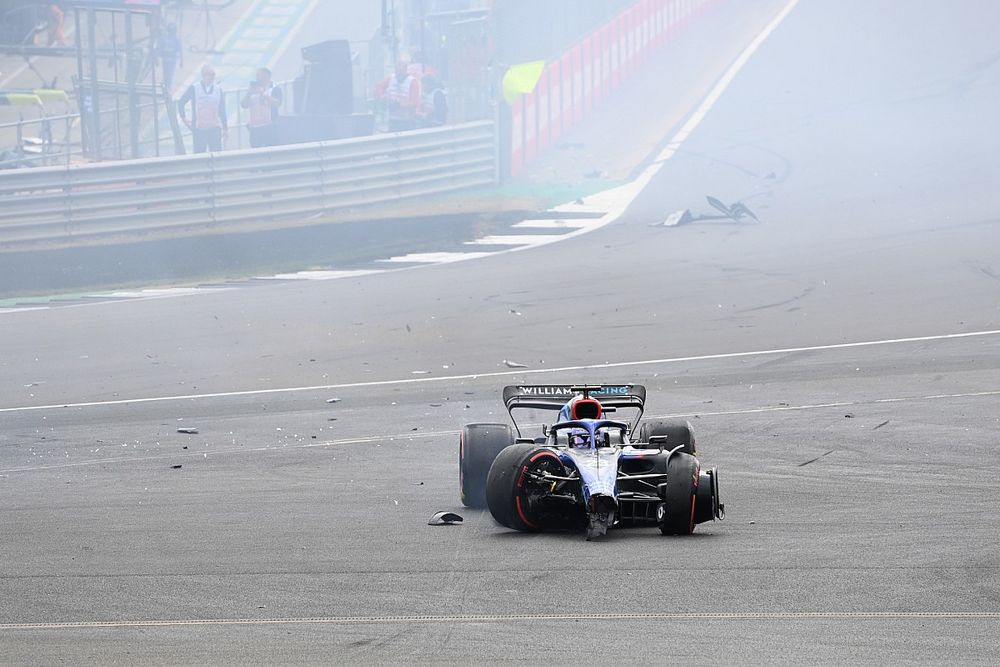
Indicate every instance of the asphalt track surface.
{"type": "Point", "coordinates": [861, 481]}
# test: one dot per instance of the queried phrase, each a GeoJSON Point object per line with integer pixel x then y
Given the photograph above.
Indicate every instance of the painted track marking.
{"type": "Point", "coordinates": [519, 372]}
{"type": "Point", "coordinates": [515, 239]}
{"type": "Point", "coordinates": [436, 257]}
{"type": "Point", "coordinates": [508, 618]}
{"type": "Point", "coordinates": [4, 311]}
{"type": "Point", "coordinates": [330, 274]}
{"type": "Point", "coordinates": [552, 224]}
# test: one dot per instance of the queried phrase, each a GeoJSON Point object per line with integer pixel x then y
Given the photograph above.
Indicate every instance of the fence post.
{"type": "Point", "coordinates": [497, 143]}
{"type": "Point", "coordinates": [68, 140]}
{"type": "Point", "coordinates": [19, 144]}
{"type": "Point", "coordinates": [239, 121]}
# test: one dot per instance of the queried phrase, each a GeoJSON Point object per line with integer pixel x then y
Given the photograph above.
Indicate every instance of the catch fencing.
{"type": "Point", "coordinates": [575, 82]}
{"type": "Point", "coordinates": [211, 191]}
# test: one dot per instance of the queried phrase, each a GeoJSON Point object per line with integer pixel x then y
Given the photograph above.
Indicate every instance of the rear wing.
{"type": "Point", "coordinates": [554, 397]}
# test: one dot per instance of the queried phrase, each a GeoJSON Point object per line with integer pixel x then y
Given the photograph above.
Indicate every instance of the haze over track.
{"type": "Point", "coordinates": [860, 479]}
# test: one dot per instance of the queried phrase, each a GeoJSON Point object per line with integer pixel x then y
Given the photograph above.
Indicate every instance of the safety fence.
{"type": "Point", "coordinates": [38, 141]}
{"type": "Point", "coordinates": [572, 84]}
{"type": "Point", "coordinates": [51, 139]}
{"type": "Point", "coordinates": [210, 191]}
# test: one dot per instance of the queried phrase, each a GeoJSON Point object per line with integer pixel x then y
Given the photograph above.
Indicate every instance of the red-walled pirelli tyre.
{"type": "Point", "coordinates": [478, 445]}
{"type": "Point", "coordinates": [676, 514]}
{"type": "Point", "coordinates": [511, 493]}
{"type": "Point", "coordinates": [677, 432]}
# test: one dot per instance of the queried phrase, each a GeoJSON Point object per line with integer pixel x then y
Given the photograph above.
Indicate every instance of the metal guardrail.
{"type": "Point", "coordinates": [213, 190]}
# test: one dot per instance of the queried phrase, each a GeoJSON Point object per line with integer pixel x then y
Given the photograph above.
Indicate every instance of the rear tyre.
{"type": "Point", "coordinates": [478, 445]}
{"type": "Point", "coordinates": [677, 432]}
{"type": "Point", "coordinates": [676, 514]}
{"type": "Point", "coordinates": [513, 496]}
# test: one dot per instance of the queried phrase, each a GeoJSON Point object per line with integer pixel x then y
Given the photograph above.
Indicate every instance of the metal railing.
{"type": "Point", "coordinates": [51, 139]}
{"type": "Point", "coordinates": [215, 190]}
{"type": "Point", "coordinates": [34, 142]}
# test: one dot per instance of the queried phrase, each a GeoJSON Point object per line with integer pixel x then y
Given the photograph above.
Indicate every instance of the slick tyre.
{"type": "Point", "coordinates": [677, 432]}
{"type": "Point", "coordinates": [676, 514]}
{"type": "Point", "coordinates": [511, 494]}
{"type": "Point", "coordinates": [478, 445]}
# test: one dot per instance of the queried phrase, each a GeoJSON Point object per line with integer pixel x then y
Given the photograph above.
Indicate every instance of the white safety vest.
{"type": "Point", "coordinates": [398, 95]}
{"type": "Point", "coordinates": [206, 106]}
{"type": "Point", "coordinates": [260, 109]}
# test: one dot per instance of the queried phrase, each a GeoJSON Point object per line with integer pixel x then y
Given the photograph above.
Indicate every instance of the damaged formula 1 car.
{"type": "Point", "coordinates": [587, 472]}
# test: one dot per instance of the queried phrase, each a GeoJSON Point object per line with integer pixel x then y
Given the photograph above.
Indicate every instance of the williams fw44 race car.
{"type": "Point", "coordinates": [587, 472]}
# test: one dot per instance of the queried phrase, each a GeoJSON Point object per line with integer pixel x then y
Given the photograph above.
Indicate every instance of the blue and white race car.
{"type": "Point", "coordinates": [587, 472]}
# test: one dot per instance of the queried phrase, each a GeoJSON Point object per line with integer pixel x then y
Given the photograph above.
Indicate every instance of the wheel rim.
{"type": "Point", "coordinates": [528, 491]}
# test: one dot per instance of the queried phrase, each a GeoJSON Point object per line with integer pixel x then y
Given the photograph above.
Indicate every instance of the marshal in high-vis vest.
{"type": "Point", "coordinates": [208, 112]}
{"type": "Point", "coordinates": [261, 102]}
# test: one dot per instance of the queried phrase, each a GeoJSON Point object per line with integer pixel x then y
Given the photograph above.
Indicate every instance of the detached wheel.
{"type": "Point", "coordinates": [478, 445]}
{"type": "Point", "coordinates": [676, 514]}
{"type": "Point", "coordinates": [513, 495]}
{"type": "Point", "coordinates": [677, 432]}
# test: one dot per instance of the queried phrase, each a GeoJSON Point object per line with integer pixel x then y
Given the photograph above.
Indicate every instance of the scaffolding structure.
{"type": "Point", "coordinates": [118, 82]}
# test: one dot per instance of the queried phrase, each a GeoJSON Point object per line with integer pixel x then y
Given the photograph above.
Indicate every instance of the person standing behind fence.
{"type": "Point", "coordinates": [171, 55]}
{"type": "Point", "coordinates": [262, 102]}
{"type": "Point", "coordinates": [402, 93]}
{"type": "Point", "coordinates": [208, 112]}
{"type": "Point", "coordinates": [434, 109]}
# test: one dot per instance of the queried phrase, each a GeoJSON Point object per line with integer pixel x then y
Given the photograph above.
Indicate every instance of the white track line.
{"type": "Point", "coordinates": [515, 239]}
{"type": "Point", "coordinates": [4, 311]}
{"type": "Point", "coordinates": [319, 275]}
{"type": "Point", "coordinates": [716, 92]}
{"type": "Point", "coordinates": [554, 224]}
{"type": "Point", "coordinates": [617, 200]}
{"type": "Point", "coordinates": [519, 372]}
{"type": "Point", "coordinates": [526, 618]}
{"type": "Point", "coordinates": [157, 293]}
{"type": "Point", "coordinates": [823, 406]}
{"type": "Point", "coordinates": [436, 257]}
